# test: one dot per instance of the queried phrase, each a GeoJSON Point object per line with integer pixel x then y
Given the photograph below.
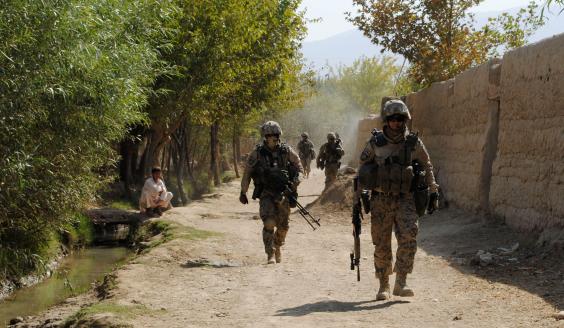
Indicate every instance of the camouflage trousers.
{"type": "Point", "coordinates": [275, 215]}
{"type": "Point", "coordinates": [306, 164]}
{"type": "Point", "coordinates": [389, 212]}
{"type": "Point", "coordinates": [331, 170]}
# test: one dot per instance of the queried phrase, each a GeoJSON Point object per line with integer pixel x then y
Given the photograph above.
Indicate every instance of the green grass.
{"type": "Point", "coordinates": [119, 310]}
{"type": "Point", "coordinates": [121, 204]}
{"type": "Point", "coordinates": [170, 230]}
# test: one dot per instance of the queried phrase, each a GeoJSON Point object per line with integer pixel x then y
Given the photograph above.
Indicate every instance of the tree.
{"type": "Point", "coordinates": [75, 74]}
{"type": "Point", "coordinates": [230, 64]}
{"type": "Point", "coordinates": [438, 37]}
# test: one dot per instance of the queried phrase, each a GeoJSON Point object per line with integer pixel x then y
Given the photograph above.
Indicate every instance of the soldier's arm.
{"type": "Point", "coordinates": [249, 166]}
{"type": "Point", "coordinates": [423, 157]}
{"type": "Point", "coordinates": [321, 154]}
{"type": "Point", "coordinates": [294, 159]}
{"type": "Point", "coordinates": [368, 153]}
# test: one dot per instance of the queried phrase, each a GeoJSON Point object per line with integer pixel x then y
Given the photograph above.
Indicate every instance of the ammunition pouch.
{"type": "Point", "coordinates": [420, 189]}
{"type": "Point", "coordinates": [257, 192]}
{"type": "Point", "coordinates": [365, 200]}
{"type": "Point", "coordinates": [421, 199]}
{"type": "Point", "coordinates": [368, 176]}
{"type": "Point", "coordinates": [276, 179]}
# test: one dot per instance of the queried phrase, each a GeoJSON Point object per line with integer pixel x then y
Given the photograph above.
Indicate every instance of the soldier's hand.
{"type": "Point", "coordinates": [243, 198]}
{"type": "Point", "coordinates": [433, 202]}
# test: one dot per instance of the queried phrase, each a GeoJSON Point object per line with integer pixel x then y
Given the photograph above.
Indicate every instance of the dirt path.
{"type": "Point", "coordinates": [314, 287]}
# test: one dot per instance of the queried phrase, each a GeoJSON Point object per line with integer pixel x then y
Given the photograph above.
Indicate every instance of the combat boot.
{"type": "Point", "coordinates": [278, 255]}
{"type": "Point", "coordinates": [400, 287]}
{"type": "Point", "coordinates": [270, 258]}
{"type": "Point", "coordinates": [384, 291]}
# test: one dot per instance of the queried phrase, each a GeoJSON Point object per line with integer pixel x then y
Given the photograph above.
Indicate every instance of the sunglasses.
{"type": "Point", "coordinates": [271, 135]}
{"type": "Point", "coordinates": [396, 119]}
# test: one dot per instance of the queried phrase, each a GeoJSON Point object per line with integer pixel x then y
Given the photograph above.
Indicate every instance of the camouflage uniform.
{"type": "Point", "coordinates": [274, 208]}
{"type": "Point", "coordinates": [306, 150]}
{"type": "Point", "coordinates": [394, 208]}
{"type": "Point", "coordinates": [329, 158]}
{"type": "Point", "coordinates": [392, 204]}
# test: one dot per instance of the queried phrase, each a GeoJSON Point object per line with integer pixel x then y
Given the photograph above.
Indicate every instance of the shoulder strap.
{"type": "Point", "coordinates": [411, 141]}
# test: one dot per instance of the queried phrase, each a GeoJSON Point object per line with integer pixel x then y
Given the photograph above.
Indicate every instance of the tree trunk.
{"type": "Point", "coordinates": [235, 159]}
{"type": "Point", "coordinates": [179, 168]}
{"type": "Point", "coordinates": [214, 147]}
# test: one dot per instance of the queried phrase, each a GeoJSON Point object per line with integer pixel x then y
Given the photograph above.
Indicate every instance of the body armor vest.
{"type": "Point", "coordinates": [395, 174]}
{"type": "Point", "coordinates": [273, 171]}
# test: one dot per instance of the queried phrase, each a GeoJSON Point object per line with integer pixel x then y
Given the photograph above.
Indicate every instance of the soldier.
{"type": "Point", "coordinates": [329, 158]}
{"type": "Point", "coordinates": [306, 151]}
{"type": "Point", "coordinates": [396, 151]}
{"type": "Point", "coordinates": [274, 168]}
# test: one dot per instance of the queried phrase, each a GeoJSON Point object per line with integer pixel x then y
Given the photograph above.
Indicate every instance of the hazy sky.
{"type": "Point", "coordinates": [332, 13]}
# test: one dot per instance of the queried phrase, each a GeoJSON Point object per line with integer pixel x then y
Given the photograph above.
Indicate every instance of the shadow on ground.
{"type": "Point", "coordinates": [335, 306]}
{"type": "Point", "coordinates": [458, 236]}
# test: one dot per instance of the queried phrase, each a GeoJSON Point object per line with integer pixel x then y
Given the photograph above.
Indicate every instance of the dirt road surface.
{"type": "Point", "coordinates": [314, 287]}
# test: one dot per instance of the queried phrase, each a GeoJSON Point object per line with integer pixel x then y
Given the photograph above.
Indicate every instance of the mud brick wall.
{"type": "Point", "coordinates": [527, 186]}
{"type": "Point", "coordinates": [365, 127]}
{"type": "Point", "coordinates": [495, 134]}
{"type": "Point", "coordinates": [452, 119]}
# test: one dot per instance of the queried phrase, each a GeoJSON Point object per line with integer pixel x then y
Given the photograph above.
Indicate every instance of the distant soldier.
{"type": "Point", "coordinates": [306, 150]}
{"type": "Point", "coordinates": [329, 158]}
{"type": "Point", "coordinates": [397, 154]}
{"type": "Point", "coordinates": [274, 168]}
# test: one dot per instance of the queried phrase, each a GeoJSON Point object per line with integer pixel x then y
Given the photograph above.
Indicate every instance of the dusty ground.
{"type": "Point", "coordinates": [314, 287]}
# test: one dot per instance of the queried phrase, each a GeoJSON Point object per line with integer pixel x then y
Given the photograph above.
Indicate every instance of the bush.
{"type": "Point", "coordinates": [75, 74]}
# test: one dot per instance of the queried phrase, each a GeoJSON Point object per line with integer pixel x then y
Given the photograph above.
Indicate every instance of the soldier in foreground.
{"type": "Point", "coordinates": [397, 157]}
{"type": "Point", "coordinates": [329, 158]}
{"type": "Point", "coordinates": [274, 168]}
{"type": "Point", "coordinates": [306, 151]}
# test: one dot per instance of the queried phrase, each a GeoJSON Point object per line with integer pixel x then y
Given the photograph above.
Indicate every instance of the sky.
{"type": "Point", "coordinates": [333, 18]}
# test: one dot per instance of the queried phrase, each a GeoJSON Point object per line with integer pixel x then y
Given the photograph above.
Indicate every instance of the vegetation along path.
{"type": "Point", "coordinates": [216, 276]}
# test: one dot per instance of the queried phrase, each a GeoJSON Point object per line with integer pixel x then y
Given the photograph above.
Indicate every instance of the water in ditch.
{"type": "Point", "coordinates": [75, 275]}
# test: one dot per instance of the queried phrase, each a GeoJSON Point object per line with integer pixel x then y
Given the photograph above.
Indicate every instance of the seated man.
{"type": "Point", "coordinates": [154, 197]}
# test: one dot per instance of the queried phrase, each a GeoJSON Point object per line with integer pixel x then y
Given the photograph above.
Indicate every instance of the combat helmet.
{"type": "Point", "coordinates": [270, 127]}
{"type": "Point", "coordinates": [331, 136]}
{"type": "Point", "coordinates": [395, 107]}
{"type": "Point", "coordinates": [305, 135]}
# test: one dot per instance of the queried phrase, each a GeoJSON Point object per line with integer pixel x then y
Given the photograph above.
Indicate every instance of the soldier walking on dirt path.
{"type": "Point", "coordinates": [329, 158]}
{"type": "Point", "coordinates": [306, 150]}
{"type": "Point", "coordinates": [274, 168]}
{"type": "Point", "coordinates": [396, 153]}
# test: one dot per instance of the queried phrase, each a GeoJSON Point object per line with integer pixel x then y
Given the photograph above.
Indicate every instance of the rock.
{"type": "Point", "coordinates": [483, 258]}
{"type": "Point", "coordinates": [559, 315]}
{"type": "Point", "coordinates": [512, 249]}
{"type": "Point", "coordinates": [16, 320]}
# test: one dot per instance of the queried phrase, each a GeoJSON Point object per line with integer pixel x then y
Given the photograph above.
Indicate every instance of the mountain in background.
{"type": "Point", "coordinates": [345, 47]}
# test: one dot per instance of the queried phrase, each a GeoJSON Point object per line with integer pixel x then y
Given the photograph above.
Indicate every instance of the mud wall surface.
{"type": "Point", "coordinates": [495, 134]}
{"type": "Point", "coordinates": [527, 187]}
{"type": "Point", "coordinates": [364, 133]}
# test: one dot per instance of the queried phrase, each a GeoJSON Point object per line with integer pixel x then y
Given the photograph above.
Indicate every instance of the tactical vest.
{"type": "Point", "coordinates": [395, 176]}
{"type": "Point", "coordinates": [306, 149]}
{"type": "Point", "coordinates": [273, 171]}
{"type": "Point", "coordinates": [332, 156]}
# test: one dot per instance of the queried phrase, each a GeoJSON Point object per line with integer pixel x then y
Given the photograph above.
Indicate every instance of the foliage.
{"type": "Point", "coordinates": [74, 73]}
{"type": "Point", "coordinates": [550, 3]}
{"type": "Point", "coordinates": [438, 37]}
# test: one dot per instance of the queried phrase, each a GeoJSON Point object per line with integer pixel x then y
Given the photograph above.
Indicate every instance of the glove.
{"type": "Point", "coordinates": [433, 202]}
{"type": "Point", "coordinates": [243, 198]}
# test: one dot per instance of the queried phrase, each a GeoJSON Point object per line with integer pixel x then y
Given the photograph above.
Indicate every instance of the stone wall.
{"type": "Point", "coordinates": [495, 134]}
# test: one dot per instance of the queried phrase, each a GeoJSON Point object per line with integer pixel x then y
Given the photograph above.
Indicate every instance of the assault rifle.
{"type": "Point", "coordinates": [357, 217]}
{"type": "Point", "coordinates": [292, 197]}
